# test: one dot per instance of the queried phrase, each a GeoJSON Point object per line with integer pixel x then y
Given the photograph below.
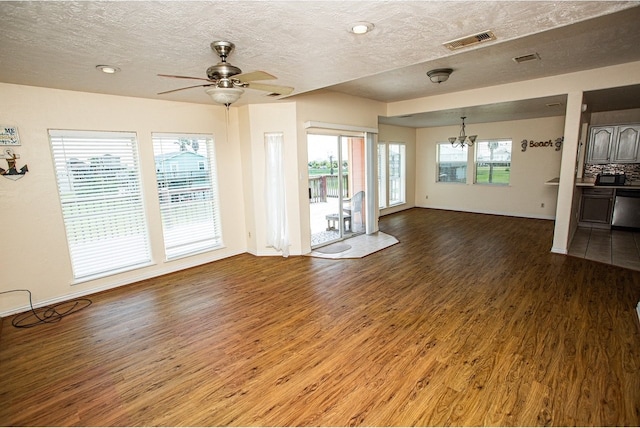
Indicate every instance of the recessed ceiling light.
{"type": "Point", "coordinates": [361, 27]}
{"type": "Point", "coordinates": [109, 69]}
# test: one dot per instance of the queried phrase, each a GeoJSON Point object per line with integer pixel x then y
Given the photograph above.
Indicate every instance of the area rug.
{"type": "Point", "coordinates": [360, 246]}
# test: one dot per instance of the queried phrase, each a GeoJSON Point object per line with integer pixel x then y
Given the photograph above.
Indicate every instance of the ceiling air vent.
{"type": "Point", "coordinates": [525, 58]}
{"type": "Point", "coordinates": [485, 36]}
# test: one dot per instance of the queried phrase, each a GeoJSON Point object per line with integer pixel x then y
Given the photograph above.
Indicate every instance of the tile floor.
{"type": "Point", "coordinates": [615, 247]}
{"type": "Point", "coordinates": [359, 246]}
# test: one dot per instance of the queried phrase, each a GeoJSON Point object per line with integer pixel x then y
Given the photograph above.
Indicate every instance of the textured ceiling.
{"type": "Point", "coordinates": [306, 44]}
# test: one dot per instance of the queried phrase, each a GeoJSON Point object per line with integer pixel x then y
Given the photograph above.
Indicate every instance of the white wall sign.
{"type": "Point", "coordinates": [9, 136]}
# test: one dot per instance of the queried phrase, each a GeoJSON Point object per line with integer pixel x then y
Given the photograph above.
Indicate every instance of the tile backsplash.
{"type": "Point", "coordinates": [631, 170]}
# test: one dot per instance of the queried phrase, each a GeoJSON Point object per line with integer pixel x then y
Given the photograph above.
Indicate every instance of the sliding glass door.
{"type": "Point", "coordinates": [336, 170]}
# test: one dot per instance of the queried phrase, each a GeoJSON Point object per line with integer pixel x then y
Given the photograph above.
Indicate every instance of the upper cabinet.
{"type": "Point", "coordinates": [614, 144]}
{"type": "Point", "coordinates": [601, 139]}
{"type": "Point", "coordinates": [627, 142]}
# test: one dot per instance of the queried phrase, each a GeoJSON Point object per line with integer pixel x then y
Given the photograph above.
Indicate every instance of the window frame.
{"type": "Point", "coordinates": [402, 174]}
{"type": "Point", "coordinates": [384, 183]}
{"type": "Point", "coordinates": [492, 162]}
{"type": "Point", "coordinates": [99, 180]}
{"type": "Point", "coordinates": [201, 202]}
{"type": "Point", "coordinates": [382, 175]}
{"type": "Point", "coordinates": [438, 174]}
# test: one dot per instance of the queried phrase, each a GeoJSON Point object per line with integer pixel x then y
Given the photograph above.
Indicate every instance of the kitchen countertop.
{"type": "Point", "coordinates": [591, 182]}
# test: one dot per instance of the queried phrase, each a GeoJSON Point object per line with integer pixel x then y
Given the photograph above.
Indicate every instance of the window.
{"type": "Point", "coordinates": [493, 162]}
{"type": "Point", "coordinates": [452, 163]}
{"type": "Point", "coordinates": [391, 174]}
{"type": "Point", "coordinates": [187, 190]}
{"type": "Point", "coordinates": [102, 204]}
{"type": "Point", "coordinates": [397, 172]}
{"type": "Point", "coordinates": [382, 175]}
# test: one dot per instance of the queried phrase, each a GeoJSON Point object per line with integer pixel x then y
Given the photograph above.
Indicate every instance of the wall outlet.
{"type": "Point", "coordinates": [249, 234]}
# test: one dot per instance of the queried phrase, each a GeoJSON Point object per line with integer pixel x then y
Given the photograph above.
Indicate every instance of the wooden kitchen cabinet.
{"type": "Point", "coordinates": [596, 206]}
{"type": "Point", "coordinates": [601, 139]}
{"type": "Point", "coordinates": [614, 144]}
{"type": "Point", "coordinates": [626, 144]}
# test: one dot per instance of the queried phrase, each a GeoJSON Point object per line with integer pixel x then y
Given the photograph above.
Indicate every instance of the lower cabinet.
{"type": "Point", "coordinates": [596, 206]}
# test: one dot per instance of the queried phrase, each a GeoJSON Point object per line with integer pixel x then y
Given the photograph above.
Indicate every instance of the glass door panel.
{"type": "Point", "coordinates": [324, 187]}
{"type": "Point", "coordinates": [336, 187]}
{"type": "Point", "coordinates": [353, 161]}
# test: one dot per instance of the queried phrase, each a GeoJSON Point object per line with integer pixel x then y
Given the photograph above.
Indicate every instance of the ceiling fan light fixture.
{"type": "Point", "coordinates": [439, 75]}
{"type": "Point", "coordinates": [361, 27]}
{"type": "Point", "coordinates": [225, 96]}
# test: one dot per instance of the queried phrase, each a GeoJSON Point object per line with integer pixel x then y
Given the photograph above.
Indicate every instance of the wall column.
{"type": "Point", "coordinates": [568, 167]}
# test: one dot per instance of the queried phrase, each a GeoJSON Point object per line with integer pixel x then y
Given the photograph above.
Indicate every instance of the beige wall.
{"type": "Point", "coordinates": [529, 171]}
{"type": "Point", "coordinates": [615, 117]}
{"type": "Point", "coordinates": [34, 254]}
{"type": "Point", "coordinates": [265, 118]}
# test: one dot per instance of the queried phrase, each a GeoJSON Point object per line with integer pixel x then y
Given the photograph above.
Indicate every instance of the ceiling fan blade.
{"type": "Point", "coordinates": [254, 75]}
{"type": "Point", "coordinates": [186, 87]}
{"type": "Point", "coordinates": [282, 90]}
{"type": "Point", "coordinates": [183, 77]}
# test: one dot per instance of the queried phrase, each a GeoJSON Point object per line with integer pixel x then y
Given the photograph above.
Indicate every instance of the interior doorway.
{"type": "Point", "coordinates": [336, 168]}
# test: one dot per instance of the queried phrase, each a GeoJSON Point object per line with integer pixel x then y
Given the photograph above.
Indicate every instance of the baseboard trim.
{"type": "Point", "coordinates": [489, 212]}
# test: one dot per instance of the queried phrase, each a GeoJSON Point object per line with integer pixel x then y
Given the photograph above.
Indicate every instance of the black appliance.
{"type": "Point", "coordinates": [626, 210]}
{"type": "Point", "coordinates": [610, 179]}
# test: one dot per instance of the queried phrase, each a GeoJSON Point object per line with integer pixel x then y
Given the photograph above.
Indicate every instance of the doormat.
{"type": "Point", "coordinates": [338, 247]}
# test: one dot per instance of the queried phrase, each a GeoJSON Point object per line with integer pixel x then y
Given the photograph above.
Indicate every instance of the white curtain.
{"type": "Point", "coordinates": [277, 231]}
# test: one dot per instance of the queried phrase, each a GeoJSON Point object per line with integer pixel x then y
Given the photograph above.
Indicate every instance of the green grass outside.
{"type": "Point", "coordinates": [500, 175]}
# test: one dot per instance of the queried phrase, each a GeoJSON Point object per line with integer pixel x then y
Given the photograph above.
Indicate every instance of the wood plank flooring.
{"type": "Point", "coordinates": [469, 320]}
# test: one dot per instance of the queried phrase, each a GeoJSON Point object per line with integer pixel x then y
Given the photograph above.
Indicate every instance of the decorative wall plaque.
{"type": "Point", "coordinates": [557, 144]}
{"type": "Point", "coordinates": [9, 136]}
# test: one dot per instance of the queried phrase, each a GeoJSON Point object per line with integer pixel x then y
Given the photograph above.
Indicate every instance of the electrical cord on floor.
{"type": "Point", "coordinates": [46, 314]}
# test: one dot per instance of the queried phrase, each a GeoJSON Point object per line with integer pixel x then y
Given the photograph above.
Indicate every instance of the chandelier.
{"type": "Point", "coordinates": [463, 139]}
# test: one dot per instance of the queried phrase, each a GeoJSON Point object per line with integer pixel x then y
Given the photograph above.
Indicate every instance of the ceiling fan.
{"type": "Point", "coordinates": [226, 82]}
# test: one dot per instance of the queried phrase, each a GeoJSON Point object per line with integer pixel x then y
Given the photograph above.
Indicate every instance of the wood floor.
{"type": "Point", "coordinates": [469, 320]}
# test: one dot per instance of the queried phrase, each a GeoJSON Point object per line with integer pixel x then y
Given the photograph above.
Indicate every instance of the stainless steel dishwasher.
{"type": "Point", "coordinates": [626, 209]}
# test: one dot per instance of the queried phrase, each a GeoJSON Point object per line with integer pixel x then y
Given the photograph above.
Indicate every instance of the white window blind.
{"type": "Point", "coordinates": [188, 193]}
{"type": "Point", "coordinates": [102, 204]}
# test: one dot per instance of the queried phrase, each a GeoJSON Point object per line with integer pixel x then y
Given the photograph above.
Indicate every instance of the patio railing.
{"type": "Point", "coordinates": [327, 186]}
